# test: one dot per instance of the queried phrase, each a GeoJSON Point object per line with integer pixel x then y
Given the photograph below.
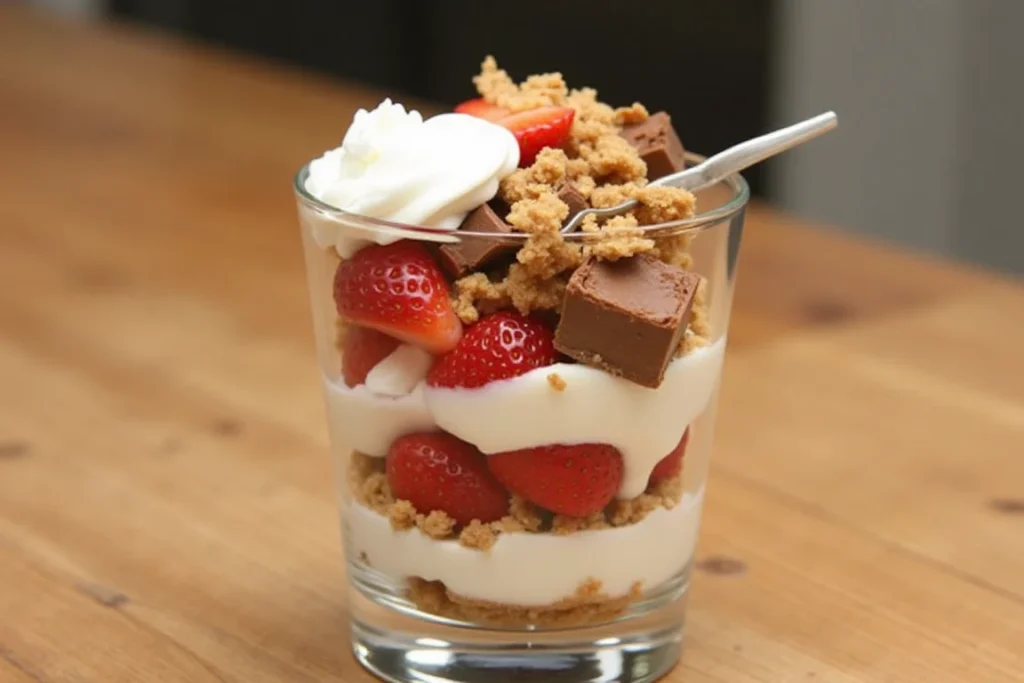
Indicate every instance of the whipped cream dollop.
{"type": "Point", "coordinates": [396, 166]}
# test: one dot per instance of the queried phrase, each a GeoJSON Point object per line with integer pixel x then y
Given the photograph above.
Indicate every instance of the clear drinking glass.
{"type": "Point", "coordinates": [410, 617]}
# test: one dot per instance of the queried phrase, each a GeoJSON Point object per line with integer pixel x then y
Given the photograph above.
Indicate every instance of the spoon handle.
{"type": "Point", "coordinates": [746, 154]}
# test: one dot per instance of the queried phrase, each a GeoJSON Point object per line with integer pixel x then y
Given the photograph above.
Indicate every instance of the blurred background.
{"type": "Point", "coordinates": [929, 92]}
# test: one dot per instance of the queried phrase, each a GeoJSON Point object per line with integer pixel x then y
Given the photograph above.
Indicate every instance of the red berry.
{"type": "Point", "coordinates": [437, 471]}
{"type": "Point", "coordinates": [538, 128]}
{"type": "Point", "coordinates": [362, 349]}
{"type": "Point", "coordinates": [671, 464]}
{"type": "Point", "coordinates": [482, 109]}
{"type": "Point", "coordinates": [569, 480]}
{"type": "Point", "coordinates": [499, 346]}
{"type": "Point", "coordinates": [399, 290]}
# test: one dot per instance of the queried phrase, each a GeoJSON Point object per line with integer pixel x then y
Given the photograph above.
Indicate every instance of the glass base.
{"type": "Point", "coordinates": [403, 657]}
{"type": "Point", "coordinates": [397, 642]}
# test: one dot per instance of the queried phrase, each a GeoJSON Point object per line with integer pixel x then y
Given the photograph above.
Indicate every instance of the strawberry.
{"type": "Point", "coordinates": [482, 109]}
{"type": "Point", "coordinates": [437, 471]}
{"type": "Point", "coordinates": [361, 350]}
{"type": "Point", "coordinates": [538, 128]}
{"type": "Point", "coordinates": [399, 290]}
{"type": "Point", "coordinates": [502, 345]}
{"type": "Point", "coordinates": [574, 480]}
{"type": "Point", "coordinates": [671, 464]}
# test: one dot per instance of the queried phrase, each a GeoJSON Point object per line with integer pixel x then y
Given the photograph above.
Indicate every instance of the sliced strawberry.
{"type": "Point", "coordinates": [671, 464]}
{"type": "Point", "coordinates": [399, 290]}
{"type": "Point", "coordinates": [482, 109]}
{"type": "Point", "coordinates": [362, 349]}
{"type": "Point", "coordinates": [437, 471]}
{"type": "Point", "coordinates": [500, 346]}
{"type": "Point", "coordinates": [574, 480]}
{"type": "Point", "coordinates": [538, 128]}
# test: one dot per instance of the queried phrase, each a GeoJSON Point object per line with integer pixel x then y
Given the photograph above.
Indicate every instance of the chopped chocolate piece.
{"type": "Point", "coordinates": [571, 196]}
{"type": "Point", "coordinates": [658, 144]}
{"type": "Point", "coordinates": [626, 317]}
{"type": "Point", "coordinates": [474, 252]}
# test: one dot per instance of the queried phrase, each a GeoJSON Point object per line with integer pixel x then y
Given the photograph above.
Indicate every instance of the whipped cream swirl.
{"type": "Point", "coordinates": [395, 166]}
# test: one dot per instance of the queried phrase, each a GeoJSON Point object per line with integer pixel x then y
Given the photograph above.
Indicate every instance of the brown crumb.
{"type": "Point", "coordinates": [635, 113]}
{"type": "Point", "coordinates": [556, 382]}
{"type": "Point", "coordinates": [619, 237]}
{"type": "Point", "coordinates": [563, 525]}
{"type": "Point", "coordinates": [402, 515]}
{"type": "Point", "coordinates": [588, 605]}
{"type": "Point", "coordinates": [523, 515]}
{"type": "Point", "coordinates": [541, 90]}
{"type": "Point", "coordinates": [478, 536]}
{"type": "Point", "coordinates": [663, 204]}
{"type": "Point", "coordinates": [436, 524]}
{"type": "Point", "coordinates": [665, 494]}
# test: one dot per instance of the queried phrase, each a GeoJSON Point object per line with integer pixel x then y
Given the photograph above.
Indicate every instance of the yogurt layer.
{"type": "Point", "coordinates": [594, 407]}
{"type": "Point", "coordinates": [369, 422]}
{"type": "Point", "coordinates": [534, 569]}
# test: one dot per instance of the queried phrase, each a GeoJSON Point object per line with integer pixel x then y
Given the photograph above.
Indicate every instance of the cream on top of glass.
{"type": "Point", "coordinates": [395, 166]}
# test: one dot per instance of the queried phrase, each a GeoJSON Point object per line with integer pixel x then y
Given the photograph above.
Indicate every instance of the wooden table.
{"type": "Point", "coordinates": [166, 507]}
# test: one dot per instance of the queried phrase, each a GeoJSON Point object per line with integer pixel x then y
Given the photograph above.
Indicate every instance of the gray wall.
{"type": "Point", "coordinates": [930, 97]}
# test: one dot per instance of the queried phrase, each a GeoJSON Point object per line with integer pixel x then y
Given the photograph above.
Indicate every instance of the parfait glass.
{"type": "Point", "coordinates": [606, 603]}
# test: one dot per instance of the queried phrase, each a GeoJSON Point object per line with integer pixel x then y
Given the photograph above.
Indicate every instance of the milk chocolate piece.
{"type": "Point", "coordinates": [472, 253]}
{"type": "Point", "coordinates": [626, 317]}
{"type": "Point", "coordinates": [658, 144]}
{"type": "Point", "coordinates": [571, 196]}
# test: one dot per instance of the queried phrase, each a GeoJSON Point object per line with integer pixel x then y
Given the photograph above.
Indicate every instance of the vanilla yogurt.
{"type": "Point", "coordinates": [534, 569]}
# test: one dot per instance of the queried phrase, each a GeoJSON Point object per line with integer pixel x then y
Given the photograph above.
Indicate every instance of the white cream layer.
{"type": "Point", "coordinates": [595, 407]}
{"type": "Point", "coordinates": [534, 569]}
{"type": "Point", "coordinates": [369, 422]}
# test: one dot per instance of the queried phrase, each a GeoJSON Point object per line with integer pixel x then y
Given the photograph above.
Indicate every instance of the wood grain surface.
{"type": "Point", "coordinates": [166, 511]}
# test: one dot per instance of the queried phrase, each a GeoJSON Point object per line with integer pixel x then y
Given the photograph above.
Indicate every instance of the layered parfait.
{"type": "Point", "coordinates": [512, 407]}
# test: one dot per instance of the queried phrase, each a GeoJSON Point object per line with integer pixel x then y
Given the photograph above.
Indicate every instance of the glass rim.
{"type": "Point", "coordinates": [705, 219]}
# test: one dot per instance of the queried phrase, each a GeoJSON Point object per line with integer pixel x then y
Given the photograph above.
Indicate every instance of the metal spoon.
{"type": "Point", "coordinates": [732, 160]}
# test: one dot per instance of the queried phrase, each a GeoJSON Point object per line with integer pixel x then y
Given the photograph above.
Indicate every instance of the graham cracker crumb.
{"type": "Point", "coordinates": [674, 250]}
{"type": "Point", "coordinates": [402, 515]}
{"type": "Point", "coordinates": [665, 494]}
{"type": "Point", "coordinates": [663, 204]}
{"type": "Point", "coordinates": [619, 237]}
{"type": "Point", "coordinates": [635, 113]}
{"type": "Point", "coordinates": [476, 295]}
{"type": "Point", "coordinates": [588, 605]}
{"type": "Point", "coordinates": [523, 515]}
{"type": "Point", "coordinates": [541, 90]}
{"type": "Point", "coordinates": [478, 536]}
{"type": "Point", "coordinates": [564, 525]}
{"type": "Point", "coordinates": [436, 524]}
{"type": "Point", "coordinates": [556, 382]}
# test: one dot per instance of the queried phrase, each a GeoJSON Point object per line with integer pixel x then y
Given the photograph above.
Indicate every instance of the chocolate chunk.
{"type": "Point", "coordinates": [472, 253]}
{"type": "Point", "coordinates": [658, 144]}
{"type": "Point", "coordinates": [626, 317]}
{"type": "Point", "coordinates": [571, 196]}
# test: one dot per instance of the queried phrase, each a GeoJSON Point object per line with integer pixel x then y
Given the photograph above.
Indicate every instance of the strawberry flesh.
{"type": "Point", "coordinates": [437, 471]}
{"type": "Point", "coordinates": [576, 480]}
{"type": "Point", "coordinates": [671, 464]}
{"type": "Point", "coordinates": [536, 129]}
{"type": "Point", "coordinates": [397, 289]}
{"type": "Point", "coordinates": [500, 346]}
{"type": "Point", "coordinates": [482, 109]}
{"type": "Point", "coordinates": [361, 350]}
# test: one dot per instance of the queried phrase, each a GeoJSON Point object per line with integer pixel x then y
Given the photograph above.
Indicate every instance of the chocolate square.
{"type": "Point", "coordinates": [658, 144]}
{"type": "Point", "coordinates": [472, 253]}
{"type": "Point", "coordinates": [571, 196]}
{"type": "Point", "coordinates": [626, 317]}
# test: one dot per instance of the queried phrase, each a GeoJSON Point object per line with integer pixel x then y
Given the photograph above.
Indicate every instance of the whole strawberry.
{"type": "Point", "coordinates": [399, 290]}
{"type": "Point", "coordinates": [576, 480]}
{"type": "Point", "coordinates": [437, 471]}
{"type": "Point", "coordinates": [671, 464]}
{"type": "Point", "coordinates": [500, 346]}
